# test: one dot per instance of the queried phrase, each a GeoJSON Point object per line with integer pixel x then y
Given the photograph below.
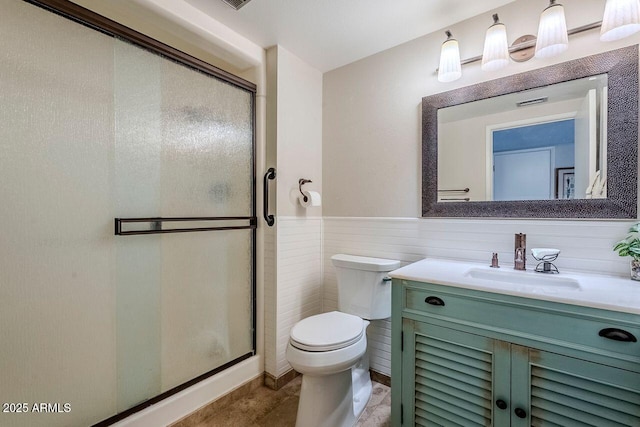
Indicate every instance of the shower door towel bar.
{"type": "Point", "coordinates": [156, 224]}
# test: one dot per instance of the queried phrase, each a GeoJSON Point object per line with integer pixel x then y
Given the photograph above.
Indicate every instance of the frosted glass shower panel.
{"type": "Point", "coordinates": [207, 146]}
{"type": "Point", "coordinates": [183, 149]}
{"type": "Point", "coordinates": [206, 302]}
{"type": "Point", "coordinates": [184, 139]}
{"type": "Point", "coordinates": [56, 291]}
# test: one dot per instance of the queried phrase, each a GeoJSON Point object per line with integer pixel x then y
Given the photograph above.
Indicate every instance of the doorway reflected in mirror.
{"type": "Point", "coordinates": [525, 159]}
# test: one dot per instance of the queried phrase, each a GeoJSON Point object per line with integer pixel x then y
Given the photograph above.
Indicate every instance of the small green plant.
{"type": "Point", "coordinates": [630, 246]}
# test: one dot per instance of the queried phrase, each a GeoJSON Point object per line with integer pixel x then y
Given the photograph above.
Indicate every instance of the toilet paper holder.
{"type": "Point", "coordinates": [301, 182]}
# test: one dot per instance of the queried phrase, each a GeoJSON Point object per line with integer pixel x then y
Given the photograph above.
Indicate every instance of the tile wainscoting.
{"type": "Point", "coordinates": [294, 290]}
{"type": "Point", "coordinates": [585, 246]}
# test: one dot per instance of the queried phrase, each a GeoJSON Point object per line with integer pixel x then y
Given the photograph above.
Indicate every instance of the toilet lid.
{"type": "Point", "coordinates": [327, 331]}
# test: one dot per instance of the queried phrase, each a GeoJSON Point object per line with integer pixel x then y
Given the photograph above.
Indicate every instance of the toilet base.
{"type": "Point", "coordinates": [329, 400]}
{"type": "Point", "coordinates": [361, 380]}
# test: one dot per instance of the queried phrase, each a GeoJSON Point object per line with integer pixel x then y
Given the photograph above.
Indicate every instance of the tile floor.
{"type": "Point", "coordinates": [264, 407]}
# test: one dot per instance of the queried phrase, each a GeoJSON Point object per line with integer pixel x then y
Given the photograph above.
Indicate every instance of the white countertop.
{"type": "Point", "coordinates": [599, 291]}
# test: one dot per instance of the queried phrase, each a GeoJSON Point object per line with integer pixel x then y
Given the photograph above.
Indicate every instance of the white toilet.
{"type": "Point", "coordinates": [330, 349]}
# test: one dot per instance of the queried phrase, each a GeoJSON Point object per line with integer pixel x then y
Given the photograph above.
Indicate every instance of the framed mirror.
{"type": "Point", "coordinates": [557, 142]}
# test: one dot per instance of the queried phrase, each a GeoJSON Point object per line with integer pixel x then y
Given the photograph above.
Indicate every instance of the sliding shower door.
{"type": "Point", "coordinates": [127, 250]}
{"type": "Point", "coordinates": [183, 148]}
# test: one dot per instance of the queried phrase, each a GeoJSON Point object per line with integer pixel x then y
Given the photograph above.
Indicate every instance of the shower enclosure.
{"type": "Point", "coordinates": [127, 203]}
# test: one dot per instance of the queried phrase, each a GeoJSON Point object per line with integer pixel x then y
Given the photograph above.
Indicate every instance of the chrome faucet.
{"type": "Point", "coordinates": [520, 254]}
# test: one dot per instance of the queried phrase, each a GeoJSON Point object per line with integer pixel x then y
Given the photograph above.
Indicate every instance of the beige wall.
{"type": "Point", "coordinates": [372, 115]}
{"type": "Point", "coordinates": [293, 253]}
{"type": "Point", "coordinates": [294, 128]}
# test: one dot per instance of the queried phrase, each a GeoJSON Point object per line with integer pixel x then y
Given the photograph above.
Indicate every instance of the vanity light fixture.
{"type": "Point", "coordinates": [553, 38]}
{"type": "Point", "coordinates": [450, 68]}
{"type": "Point", "coordinates": [621, 19]}
{"type": "Point", "coordinates": [496, 47]}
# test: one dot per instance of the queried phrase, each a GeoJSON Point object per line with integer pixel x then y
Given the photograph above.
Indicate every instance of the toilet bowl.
{"type": "Point", "coordinates": [327, 343]}
{"type": "Point", "coordinates": [330, 349]}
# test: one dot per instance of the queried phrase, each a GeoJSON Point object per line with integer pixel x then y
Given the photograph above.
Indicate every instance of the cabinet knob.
{"type": "Point", "coordinates": [434, 301]}
{"type": "Point", "coordinates": [617, 335]}
{"type": "Point", "coordinates": [501, 404]}
{"type": "Point", "coordinates": [520, 413]}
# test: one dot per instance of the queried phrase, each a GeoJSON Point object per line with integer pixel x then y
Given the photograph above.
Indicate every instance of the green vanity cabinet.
{"type": "Point", "coordinates": [451, 376]}
{"type": "Point", "coordinates": [462, 357]}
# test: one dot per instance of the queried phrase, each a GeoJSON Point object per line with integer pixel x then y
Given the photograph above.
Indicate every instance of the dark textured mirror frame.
{"type": "Point", "coordinates": [621, 66]}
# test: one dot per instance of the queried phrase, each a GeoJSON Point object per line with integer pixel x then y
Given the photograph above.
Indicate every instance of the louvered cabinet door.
{"type": "Point", "coordinates": [556, 390]}
{"type": "Point", "coordinates": [453, 378]}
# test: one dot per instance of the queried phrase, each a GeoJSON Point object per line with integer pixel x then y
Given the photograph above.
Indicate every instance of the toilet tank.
{"type": "Point", "coordinates": [361, 288]}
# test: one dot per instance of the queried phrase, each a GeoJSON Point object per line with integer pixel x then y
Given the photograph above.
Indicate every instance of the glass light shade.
{"type": "Point", "coordinates": [552, 32]}
{"type": "Point", "coordinates": [496, 48]}
{"type": "Point", "coordinates": [621, 19]}
{"type": "Point", "coordinates": [450, 68]}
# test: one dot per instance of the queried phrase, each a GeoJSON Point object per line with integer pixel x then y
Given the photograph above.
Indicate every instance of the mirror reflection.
{"type": "Point", "coordinates": [540, 144]}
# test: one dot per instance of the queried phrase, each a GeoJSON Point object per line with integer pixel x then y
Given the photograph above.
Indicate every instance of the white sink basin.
{"type": "Point", "coordinates": [524, 278]}
{"type": "Point", "coordinates": [602, 291]}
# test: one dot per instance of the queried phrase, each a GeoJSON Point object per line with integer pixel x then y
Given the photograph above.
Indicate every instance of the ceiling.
{"type": "Point", "coordinates": [328, 34]}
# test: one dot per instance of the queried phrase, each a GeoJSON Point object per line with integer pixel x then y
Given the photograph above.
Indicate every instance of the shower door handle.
{"type": "Point", "coordinates": [271, 174]}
